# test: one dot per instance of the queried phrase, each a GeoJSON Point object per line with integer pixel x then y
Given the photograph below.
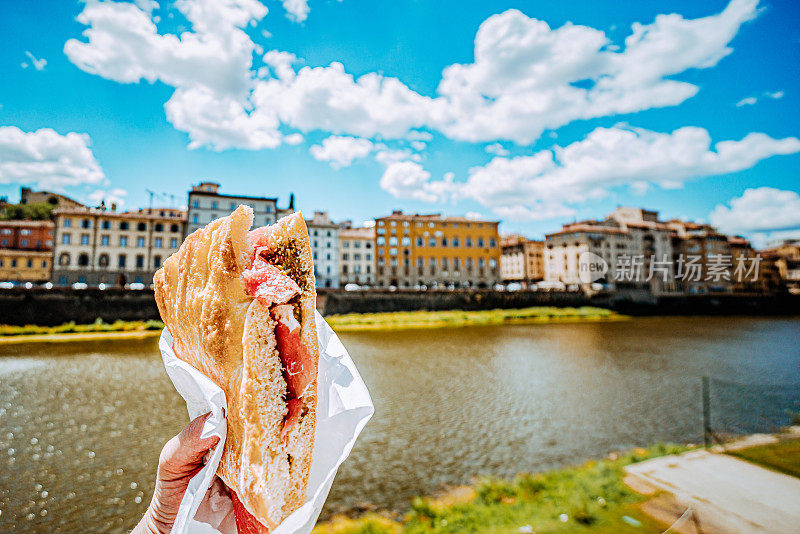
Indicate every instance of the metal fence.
{"type": "Point", "coordinates": [732, 409]}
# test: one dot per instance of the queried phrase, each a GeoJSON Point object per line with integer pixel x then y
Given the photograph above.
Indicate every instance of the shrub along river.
{"type": "Point", "coordinates": [82, 423]}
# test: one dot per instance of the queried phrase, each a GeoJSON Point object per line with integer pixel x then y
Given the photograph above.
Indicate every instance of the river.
{"type": "Point", "coordinates": [82, 423]}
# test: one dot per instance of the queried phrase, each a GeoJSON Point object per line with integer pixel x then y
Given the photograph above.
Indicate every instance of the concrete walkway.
{"type": "Point", "coordinates": [724, 493]}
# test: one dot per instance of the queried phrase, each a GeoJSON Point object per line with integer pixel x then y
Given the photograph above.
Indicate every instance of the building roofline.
{"type": "Point", "coordinates": [222, 195]}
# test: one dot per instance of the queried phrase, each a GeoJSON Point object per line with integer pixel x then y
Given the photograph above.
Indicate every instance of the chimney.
{"type": "Point", "coordinates": [291, 201]}
{"type": "Point", "coordinates": [113, 206]}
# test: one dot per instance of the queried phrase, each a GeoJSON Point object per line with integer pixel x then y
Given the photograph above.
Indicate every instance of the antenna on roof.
{"type": "Point", "coordinates": [152, 194]}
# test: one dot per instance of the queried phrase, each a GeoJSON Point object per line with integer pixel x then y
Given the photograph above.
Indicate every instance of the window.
{"type": "Point", "coordinates": [83, 260]}
{"type": "Point", "coordinates": [269, 209]}
{"type": "Point", "coordinates": [368, 245]}
{"type": "Point", "coordinates": [25, 232]}
{"type": "Point", "coordinates": [455, 241]}
{"type": "Point", "coordinates": [214, 205]}
{"type": "Point", "coordinates": [492, 243]}
{"type": "Point", "coordinates": [173, 243]}
{"type": "Point", "coordinates": [158, 242]}
{"type": "Point", "coordinates": [381, 241]}
{"type": "Point", "coordinates": [30, 264]}
{"type": "Point", "coordinates": [123, 241]}
{"type": "Point", "coordinates": [105, 225]}
{"type": "Point", "coordinates": [444, 241]}
{"type": "Point", "coordinates": [156, 261]}
{"type": "Point", "coordinates": [174, 228]}
{"type": "Point", "coordinates": [44, 264]}
{"type": "Point", "coordinates": [23, 242]}
{"type": "Point", "coordinates": [345, 244]}
{"type": "Point", "coordinates": [124, 225]}
{"type": "Point", "coordinates": [103, 260]}
{"type": "Point", "coordinates": [420, 242]}
{"type": "Point", "coordinates": [86, 223]}
{"type": "Point", "coordinates": [159, 227]}
{"type": "Point", "coordinates": [65, 239]}
{"type": "Point", "coordinates": [64, 260]}
{"type": "Point", "coordinates": [194, 219]}
{"type": "Point", "coordinates": [393, 241]}
{"type": "Point", "coordinates": [328, 257]}
{"type": "Point", "coordinates": [104, 240]}
{"type": "Point", "coordinates": [432, 242]}
{"type": "Point", "coordinates": [67, 222]}
{"type": "Point", "coordinates": [140, 241]}
{"type": "Point", "coordinates": [4, 242]}
{"type": "Point", "coordinates": [142, 227]}
{"type": "Point", "coordinates": [84, 239]}
{"type": "Point", "coordinates": [357, 257]}
{"type": "Point", "coordinates": [139, 261]}
{"type": "Point", "coordinates": [406, 241]}
{"type": "Point", "coordinates": [233, 206]}
{"type": "Point", "coordinates": [345, 256]}
{"type": "Point", "coordinates": [468, 242]}
{"type": "Point", "coordinates": [195, 204]}
{"type": "Point", "coordinates": [368, 257]}
{"type": "Point", "coordinates": [481, 263]}
{"type": "Point", "coordinates": [14, 262]}
{"type": "Point", "coordinates": [492, 263]}
{"type": "Point", "coordinates": [480, 242]}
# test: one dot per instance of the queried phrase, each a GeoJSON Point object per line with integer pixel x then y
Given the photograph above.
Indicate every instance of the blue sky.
{"type": "Point", "coordinates": [585, 120]}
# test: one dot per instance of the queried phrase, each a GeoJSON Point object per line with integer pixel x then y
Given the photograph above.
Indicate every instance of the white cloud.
{"type": "Point", "coordinates": [407, 179]}
{"type": "Point", "coordinates": [387, 156]}
{"type": "Point", "coordinates": [113, 196]}
{"type": "Point", "coordinates": [763, 209]}
{"type": "Point", "coordinates": [123, 44]}
{"type": "Point", "coordinates": [47, 158]}
{"type": "Point", "coordinates": [38, 64]}
{"type": "Point", "coordinates": [551, 180]}
{"type": "Point", "coordinates": [526, 77]}
{"type": "Point", "coordinates": [473, 215]}
{"type": "Point", "coordinates": [296, 10]}
{"type": "Point", "coordinates": [549, 183]}
{"type": "Point", "coordinates": [496, 149]}
{"type": "Point", "coordinates": [750, 100]}
{"type": "Point", "coordinates": [418, 145]}
{"type": "Point", "coordinates": [341, 151]}
{"type": "Point", "coordinates": [293, 139]}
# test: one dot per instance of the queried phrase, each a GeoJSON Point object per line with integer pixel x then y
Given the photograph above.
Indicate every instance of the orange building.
{"type": "Point", "coordinates": [436, 251]}
{"type": "Point", "coordinates": [26, 235]}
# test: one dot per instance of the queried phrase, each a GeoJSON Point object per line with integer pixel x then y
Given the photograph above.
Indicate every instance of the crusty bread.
{"type": "Point", "coordinates": [229, 336]}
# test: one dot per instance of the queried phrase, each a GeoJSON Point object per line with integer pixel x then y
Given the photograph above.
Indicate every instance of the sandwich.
{"type": "Point", "coordinates": [240, 307]}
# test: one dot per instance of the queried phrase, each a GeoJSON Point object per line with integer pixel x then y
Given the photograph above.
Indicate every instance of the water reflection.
{"type": "Point", "coordinates": [81, 424]}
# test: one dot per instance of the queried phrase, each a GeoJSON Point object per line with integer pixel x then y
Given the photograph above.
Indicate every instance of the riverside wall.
{"type": "Point", "coordinates": [19, 306]}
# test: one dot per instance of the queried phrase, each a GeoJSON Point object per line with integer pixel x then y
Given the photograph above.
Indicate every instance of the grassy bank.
{"type": "Point", "coordinates": [783, 456]}
{"type": "Point", "coordinates": [588, 498]}
{"type": "Point", "coordinates": [437, 319]}
{"type": "Point", "coordinates": [78, 332]}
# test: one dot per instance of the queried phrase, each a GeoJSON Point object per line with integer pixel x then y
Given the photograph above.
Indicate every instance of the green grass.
{"type": "Point", "coordinates": [590, 498]}
{"type": "Point", "coordinates": [72, 328]}
{"type": "Point", "coordinates": [783, 456]}
{"type": "Point", "coordinates": [436, 319]}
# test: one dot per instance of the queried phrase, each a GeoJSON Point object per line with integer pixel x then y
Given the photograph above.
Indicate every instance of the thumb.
{"type": "Point", "coordinates": [184, 453]}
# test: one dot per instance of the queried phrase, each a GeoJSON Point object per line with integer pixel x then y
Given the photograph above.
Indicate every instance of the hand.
{"type": "Point", "coordinates": [181, 459]}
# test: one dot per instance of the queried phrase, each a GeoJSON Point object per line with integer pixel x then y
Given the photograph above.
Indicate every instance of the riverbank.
{"type": "Point", "coordinates": [590, 497]}
{"type": "Point", "coordinates": [439, 319]}
{"type": "Point", "coordinates": [340, 323]}
{"type": "Point", "coordinates": [79, 332]}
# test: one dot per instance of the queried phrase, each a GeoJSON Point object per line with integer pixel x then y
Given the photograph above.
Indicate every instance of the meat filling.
{"type": "Point", "coordinates": [274, 290]}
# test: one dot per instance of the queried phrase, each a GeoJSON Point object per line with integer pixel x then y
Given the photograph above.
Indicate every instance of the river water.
{"type": "Point", "coordinates": [82, 423]}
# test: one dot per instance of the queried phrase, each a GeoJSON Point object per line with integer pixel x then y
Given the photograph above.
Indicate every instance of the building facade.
{"type": "Point", "coordinates": [356, 256]}
{"type": "Point", "coordinates": [27, 235]}
{"type": "Point", "coordinates": [206, 203]}
{"type": "Point", "coordinates": [433, 251]}
{"type": "Point", "coordinates": [627, 236]}
{"type": "Point", "coordinates": [522, 260]}
{"type": "Point", "coordinates": [29, 196]}
{"type": "Point", "coordinates": [25, 265]}
{"type": "Point", "coordinates": [95, 246]}
{"type": "Point", "coordinates": [661, 257]}
{"type": "Point", "coordinates": [324, 235]}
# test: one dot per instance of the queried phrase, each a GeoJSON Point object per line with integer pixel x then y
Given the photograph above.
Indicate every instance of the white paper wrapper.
{"type": "Point", "coordinates": [343, 408]}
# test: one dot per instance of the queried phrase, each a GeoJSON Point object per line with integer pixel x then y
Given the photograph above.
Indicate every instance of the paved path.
{"type": "Point", "coordinates": [725, 493]}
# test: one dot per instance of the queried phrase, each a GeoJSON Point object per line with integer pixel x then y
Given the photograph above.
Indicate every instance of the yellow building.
{"type": "Point", "coordinates": [25, 265]}
{"type": "Point", "coordinates": [436, 251]}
